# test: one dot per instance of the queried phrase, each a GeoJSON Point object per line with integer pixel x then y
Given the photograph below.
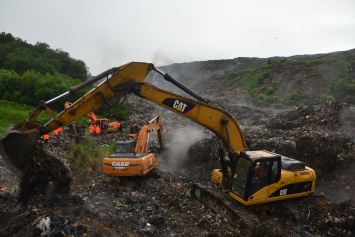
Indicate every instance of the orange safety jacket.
{"type": "Point", "coordinates": [91, 129]}
{"type": "Point", "coordinates": [132, 135]}
{"type": "Point", "coordinates": [56, 132]}
{"type": "Point", "coordinates": [97, 130]}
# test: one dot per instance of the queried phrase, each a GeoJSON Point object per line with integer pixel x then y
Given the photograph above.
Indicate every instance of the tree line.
{"type": "Point", "coordinates": [30, 73]}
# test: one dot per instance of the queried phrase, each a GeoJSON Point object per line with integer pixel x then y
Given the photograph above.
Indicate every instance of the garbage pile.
{"type": "Point", "coordinates": [101, 205]}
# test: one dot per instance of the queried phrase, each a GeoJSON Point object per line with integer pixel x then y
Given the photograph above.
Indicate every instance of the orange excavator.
{"type": "Point", "coordinates": [135, 157]}
{"type": "Point", "coordinates": [105, 124]}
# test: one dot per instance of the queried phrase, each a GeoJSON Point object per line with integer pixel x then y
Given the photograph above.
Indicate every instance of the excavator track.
{"type": "Point", "coordinates": [300, 211]}
{"type": "Point", "coordinates": [223, 204]}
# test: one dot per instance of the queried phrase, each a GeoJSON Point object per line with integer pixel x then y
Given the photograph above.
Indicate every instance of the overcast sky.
{"type": "Point", "coordinates": [110, 33]}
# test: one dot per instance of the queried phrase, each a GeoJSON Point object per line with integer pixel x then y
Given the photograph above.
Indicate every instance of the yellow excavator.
{"type": "Point", "coordinates": [134, 157]}
{"type": "Point", "coordinates": [284, 177]}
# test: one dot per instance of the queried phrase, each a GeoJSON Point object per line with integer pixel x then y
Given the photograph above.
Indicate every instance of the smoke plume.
{"type": "Point", "coordinates": [178, 145]}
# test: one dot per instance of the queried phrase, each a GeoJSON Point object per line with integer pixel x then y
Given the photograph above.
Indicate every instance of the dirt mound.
{"type": "Point", "coordinates": [45, 175]}
{"type": "Point", "coordinates": [326, 116]}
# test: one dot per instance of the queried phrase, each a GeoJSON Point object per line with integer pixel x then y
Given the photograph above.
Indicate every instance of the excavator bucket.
{"type": "Point", "coordinates": [39, 173]}
{"type": "Point", "coordinates": [16, 148]}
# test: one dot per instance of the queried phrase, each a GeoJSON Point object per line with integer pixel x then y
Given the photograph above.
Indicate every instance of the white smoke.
{"type": "Point", "coordinates": [347, 119]}
{"type": "Point", "coordinates": [162, 57]}
{"type": "Point", "coordinates": [178, 146]}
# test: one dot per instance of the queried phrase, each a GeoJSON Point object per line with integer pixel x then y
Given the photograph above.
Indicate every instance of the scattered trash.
{"type": "Point", "coordinates": [100, 205]}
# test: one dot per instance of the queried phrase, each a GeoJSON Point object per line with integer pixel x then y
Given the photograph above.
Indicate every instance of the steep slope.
{"type": "Point", "coordinates": [309, 79]}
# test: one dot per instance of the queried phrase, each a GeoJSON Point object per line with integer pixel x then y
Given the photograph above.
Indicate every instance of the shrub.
{"type": "Point", "coordinates": [266, 98]}
{"type": "Point", "coordinates": [322, 98]}
{"type": "Point", "coordinates": [296, 95]}
{"type": "Point", "coordinates": [87, 155]}
{"type": "Point", "coordinates": [344, 88]}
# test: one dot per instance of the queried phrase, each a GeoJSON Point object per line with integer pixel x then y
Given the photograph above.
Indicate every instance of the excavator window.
{"type": "Point", "coordinates": [275, 173]}
{"type": "Point", "coordinates": [260, 173]}
{"type": "Point", "coordinates": [125, 146]}
{"type": "Point", "coordinates": [239, 185]}
{"type": "Point", "coordinates": [254, 174]}
{"type": "Point", "coordinates": [121, 148]}
{"type": "Point", "coordinates": [260, 176]}
{"type": "Point", "coordinates": [264, 173]}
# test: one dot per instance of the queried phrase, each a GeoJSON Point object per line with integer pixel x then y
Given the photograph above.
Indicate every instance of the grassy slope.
{"type": "Point", "coordinates": [12, 113]}
{"type": "Point", "coordinates": [311, 81]}
{"type": "Point", "coordinates": [85, 155]}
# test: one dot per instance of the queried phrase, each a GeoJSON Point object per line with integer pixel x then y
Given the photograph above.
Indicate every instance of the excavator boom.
{"type": "Point", "coordinates": [216, 119]}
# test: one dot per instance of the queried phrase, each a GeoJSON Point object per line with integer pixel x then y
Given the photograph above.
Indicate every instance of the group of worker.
{"type": "Point", "coordinates": [56, 133]}
{"type": "Point", "coordinates": [94, 130]}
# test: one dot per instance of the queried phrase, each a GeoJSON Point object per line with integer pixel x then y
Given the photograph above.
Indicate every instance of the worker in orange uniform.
{"type": "Point", "coordinates": [60, 130]}
{"type": "Point", "coordinates": [56, 132]}
{"type": "Point", "coordinates": [132, 135]}
{"type": "Point", "coordinates": [46, 138]}
{"type": "Point", "coordinates": [91, 130]}
{"type": "Point", "coordinates": [97, 130]}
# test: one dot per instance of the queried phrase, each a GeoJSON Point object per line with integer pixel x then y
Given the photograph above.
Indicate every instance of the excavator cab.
{"type": "Point", "coordinates": [125, 147]}
{"type": "Point", "coordinates": [255, 172]}
{"type": "Point", "coordinates": [263, 176]}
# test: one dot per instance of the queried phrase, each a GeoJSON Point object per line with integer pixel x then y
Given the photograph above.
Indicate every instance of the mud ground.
{"type": "Point", "coordinates": [100, 205]}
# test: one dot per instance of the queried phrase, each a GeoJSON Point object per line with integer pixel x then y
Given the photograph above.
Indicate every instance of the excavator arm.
{"type": "Point", "coordinates": [210, 116]}
{"type": "Point", "coordinates": [19, 141]}
{"type": "Point", "coordinates": [142, 145]}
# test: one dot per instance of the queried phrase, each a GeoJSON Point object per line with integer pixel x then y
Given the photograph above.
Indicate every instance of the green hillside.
{"type": "Point", "coordinates": [12, 113]}
{"type": "Point", "coordinates": [32, 73]}
{"type": "Point", "coordinates": [310, 81]}
{"type": "Point", "coordinates": [302, 79]}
